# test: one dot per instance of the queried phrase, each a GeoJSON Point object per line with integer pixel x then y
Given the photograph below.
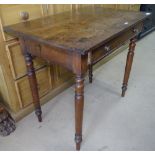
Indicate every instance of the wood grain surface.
{"type": "Point", "coordinates": [77, 30]}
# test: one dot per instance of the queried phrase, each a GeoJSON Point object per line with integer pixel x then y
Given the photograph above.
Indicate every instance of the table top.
{"type": "Point", "coordinates": [78, 30]}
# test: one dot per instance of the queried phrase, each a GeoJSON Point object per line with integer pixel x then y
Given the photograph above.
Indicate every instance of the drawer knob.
{"type": "Point", "coordinates": [107, 48]}
{"type": "Point", "coordinates": [24, 15]}
{"type": "Point", "coordinates": [135, 30]}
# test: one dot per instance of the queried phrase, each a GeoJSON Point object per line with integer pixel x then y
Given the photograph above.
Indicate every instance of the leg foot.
{"type": "Point", "coordinates": [38, 113]}
{"type": "Point", "coordinates": [124, 88]}
{"type": "Point", "coordinates": [78, 147]}
{"type": "Point", "coordinates": [78, 140]}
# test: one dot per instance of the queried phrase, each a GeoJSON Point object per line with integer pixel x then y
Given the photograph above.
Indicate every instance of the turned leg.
{"type": "Point", "coordinates": [79, 104]}
{"type": "Point", "coordinates": [33, 85]}
{"type": "Point", "coordinates": [90, 67]}
{"type": "Point", "coordinates": [128, 65]}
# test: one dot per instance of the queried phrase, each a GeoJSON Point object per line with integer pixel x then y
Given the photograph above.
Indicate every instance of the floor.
{"type": "Point", "coordinates": [110, 121]}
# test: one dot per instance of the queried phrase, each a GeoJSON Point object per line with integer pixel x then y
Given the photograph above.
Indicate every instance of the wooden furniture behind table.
{"type": "Point", "coordinates": [14, 88]}
{"type": "Point", "coordinates": [77, 40]}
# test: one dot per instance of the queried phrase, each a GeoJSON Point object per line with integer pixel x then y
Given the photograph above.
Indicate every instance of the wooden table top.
{"type": "Point", "coordinates": [81, 30]}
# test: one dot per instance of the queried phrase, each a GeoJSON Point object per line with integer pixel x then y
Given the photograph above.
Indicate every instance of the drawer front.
{"type": "Point", "coordinates": [51, 55]}
{"type": "Point", "coordinates": [11, 14]}
{"type": "Point", "coordinates": [115, 43]}
{"type": "Point", "coordinates": [23, 87]}
{"type": "Point", "coordinates": [17, 62]}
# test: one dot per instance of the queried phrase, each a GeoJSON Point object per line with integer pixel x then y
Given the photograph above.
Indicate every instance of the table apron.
{"type": "Point", "coordinates": [73, 61]}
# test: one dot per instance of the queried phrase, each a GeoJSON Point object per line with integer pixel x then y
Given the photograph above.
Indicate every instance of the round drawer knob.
{"type": "Point", "coordinates": [24, 15]}
{"type": "Point", "coordinates": [107, 48]}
